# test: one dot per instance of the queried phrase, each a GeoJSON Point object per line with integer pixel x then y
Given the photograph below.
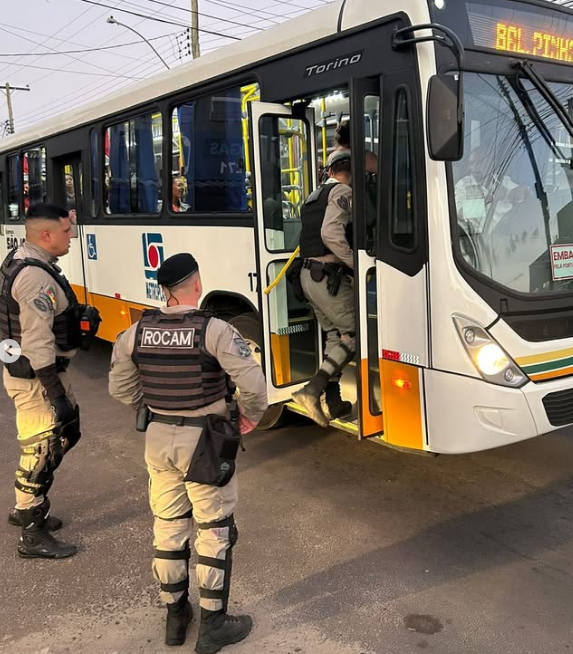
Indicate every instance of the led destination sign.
{"type": "Point", "coordinates": [524, 40]}
{"type": "Point", "coordinates": [510, 26]}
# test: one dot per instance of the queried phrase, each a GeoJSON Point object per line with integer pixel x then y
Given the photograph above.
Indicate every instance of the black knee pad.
{"type": "Point", "coordinates": [71, 432]}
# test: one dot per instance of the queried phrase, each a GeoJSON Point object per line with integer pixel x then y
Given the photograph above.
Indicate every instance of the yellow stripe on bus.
{"type": "Point", "coordinates": [544, 358]}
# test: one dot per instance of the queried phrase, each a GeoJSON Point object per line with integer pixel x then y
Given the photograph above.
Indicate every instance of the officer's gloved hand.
{"type": "Point", "coordinates": [56, 393]}
{"type": "Point", "coordinates": [64, 410]}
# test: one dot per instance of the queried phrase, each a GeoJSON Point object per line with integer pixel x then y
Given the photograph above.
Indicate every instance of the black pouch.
{"type": "Point", "coordinates": [213, 461]}
{"type": "Point", "coordinates": [317, 274]}
{"type": "Point", "coordinates": [293, 277]}
{"type": "Point", "coordinates": [21, 368]}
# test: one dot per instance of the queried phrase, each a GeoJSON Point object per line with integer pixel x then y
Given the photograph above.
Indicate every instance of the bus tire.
{"type": "Point", "coordinates": [249, 326]}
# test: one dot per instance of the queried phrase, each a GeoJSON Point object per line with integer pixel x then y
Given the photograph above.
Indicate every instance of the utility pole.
{"type": "Point", "coordinates": [8, 90]}
{"type": "Point", "coordinates": [195, 29]}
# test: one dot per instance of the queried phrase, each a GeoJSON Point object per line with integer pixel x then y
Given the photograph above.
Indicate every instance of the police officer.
{"type": "Point", "coordinates": [326, 282]}
{"type": "Point", "coordinates": [175, 361]}
{"type": "Point", "coordinates": [39, 310]}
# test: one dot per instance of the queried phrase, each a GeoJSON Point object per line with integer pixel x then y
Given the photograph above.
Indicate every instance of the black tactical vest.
{"type": "Point", "coordinates": [312, 217]}
{"type": "Point", "coordinates": [66, 327]}
{"type": "Point", "coordinates": [176, 371]}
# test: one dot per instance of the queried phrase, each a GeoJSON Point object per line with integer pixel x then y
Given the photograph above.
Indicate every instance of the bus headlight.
{"type": "Point", "coordinates": [490, 360]}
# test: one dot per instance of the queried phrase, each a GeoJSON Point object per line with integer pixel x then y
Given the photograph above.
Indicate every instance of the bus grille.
{"type": "Point", "coordinates": [559, 407]}
{"type": "Point", "coordinates": [542, 329]}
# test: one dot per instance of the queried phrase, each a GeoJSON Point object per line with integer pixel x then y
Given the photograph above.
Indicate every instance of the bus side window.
{"type": "Point", "coordinates": [209, 152]}
{"type": "Point", "coordinates": [371, 147]}
{"type": "Point", "coordinates": [95, 176]}
{"type": "Point", "coordinates": [2, 205]}
{"type": "Point", "coordinates": [402, 219]}
{"type": "Point", "coordinates": [34, 177]}
{"type": "Point", "coordinates": [13, 187]}
{"type": "Point", "coordinates": [132, 184]}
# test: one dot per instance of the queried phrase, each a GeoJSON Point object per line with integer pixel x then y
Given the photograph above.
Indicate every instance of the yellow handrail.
{"type": "Point", "coordinates": [281, 274]}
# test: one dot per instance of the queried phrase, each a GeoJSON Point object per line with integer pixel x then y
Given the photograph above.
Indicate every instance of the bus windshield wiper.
{"type": "Point", "coordinates": [546, 93]}
{"type": "Point", "coordinates": [539, 186]}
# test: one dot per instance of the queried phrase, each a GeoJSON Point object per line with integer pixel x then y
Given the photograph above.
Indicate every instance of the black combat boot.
{"type": "Point", "coordinates": [179, 616]}
{"type": "Point", "coordinates": [36, 541]}
{"type": "Point", "coordinates": [52, 523]}
{"type": "Point", "coordinates": [218, 629]}
{"type": "Point", "coordinates": [336, 406]}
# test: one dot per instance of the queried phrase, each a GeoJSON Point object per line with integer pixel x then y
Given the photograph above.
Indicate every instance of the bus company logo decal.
{"type": "Point", "coordinates": [333, 64]}
{"type": "Point", "coordinates": [153, 257]}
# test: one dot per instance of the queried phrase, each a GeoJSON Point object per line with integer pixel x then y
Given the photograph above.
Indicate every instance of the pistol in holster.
{"type": "Point", "coordinates": [142, 418]}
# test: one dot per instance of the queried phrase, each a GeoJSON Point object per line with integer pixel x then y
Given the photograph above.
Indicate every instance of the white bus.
{"type": "Point", "coordinates": [463, 239]}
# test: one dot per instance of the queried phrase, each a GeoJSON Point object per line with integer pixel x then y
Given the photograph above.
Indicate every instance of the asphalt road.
{"type": "Point", "coordinates": [344, 547]}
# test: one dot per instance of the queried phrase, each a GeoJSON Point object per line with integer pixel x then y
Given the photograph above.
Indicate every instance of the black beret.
{"type": "Point", "coordinates": [176, 269]}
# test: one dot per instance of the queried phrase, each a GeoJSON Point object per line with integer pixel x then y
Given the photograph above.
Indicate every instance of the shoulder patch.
{"type": "Point", "coordinates": [239, 346]}
{"type": "Point", "coordinates": [344, 203]}
{"type": "Point", "coordinates": [44, 302]}
{"type": "Point", "coordinates": [41, 304]}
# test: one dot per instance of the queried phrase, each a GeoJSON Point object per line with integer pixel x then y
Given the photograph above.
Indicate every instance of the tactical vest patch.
{"type": "Point", "coordinates": [183, 338]}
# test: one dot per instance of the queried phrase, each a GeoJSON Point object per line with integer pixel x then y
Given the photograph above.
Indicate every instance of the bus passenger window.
{"type": "Point", "coordinates": [2, 206]}
{"type": "Point", "coordinates": [94, 159]}
{"type": "Point", "coordinates": [209, 156]}
{"type": "Point", "coordinates": [34, 177]}
{"type": "Point", "coordinates": [403, 228]}
{"type": "Point", "coordinates": [371, 130]}
{"type": "Point", "coordinates": [285, 183]}
{"type": "Point", "coordinates": [132, 183]}
{"type": "Point", "coordinates": [14, 187]}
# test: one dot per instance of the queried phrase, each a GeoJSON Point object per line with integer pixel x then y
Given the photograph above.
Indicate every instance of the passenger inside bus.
{"type": "Point", "coordinates": [177, 193]}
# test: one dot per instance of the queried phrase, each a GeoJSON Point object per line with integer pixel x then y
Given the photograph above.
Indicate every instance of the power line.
{"type": "Point", "coordinates": [65, 52]}
{"type": "Point", "coordinates": [77, 72]}
{"type": "Point", "coordinates": [203, 15]}
{"type": "Point", "coordinates": [50, 37]}
{"type": "Point", "coordinates": [160, 20]}
{"type": "Point", "coordinates": [95, 91]}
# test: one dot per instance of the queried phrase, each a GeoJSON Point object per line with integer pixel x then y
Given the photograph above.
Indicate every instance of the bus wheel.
{"type": "Point", "coordinates": [250, 329]}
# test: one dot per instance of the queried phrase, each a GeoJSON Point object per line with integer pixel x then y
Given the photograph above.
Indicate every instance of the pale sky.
{"type": "Point", "coordinates": [33, 31]}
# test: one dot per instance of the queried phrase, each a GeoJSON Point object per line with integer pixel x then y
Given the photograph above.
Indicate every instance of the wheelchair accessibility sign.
{"type": "Point", "coordinates": [92, 247]}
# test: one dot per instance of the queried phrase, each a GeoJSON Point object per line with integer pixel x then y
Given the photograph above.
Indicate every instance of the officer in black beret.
{"type": "Point", "coordinates": [177, 361]}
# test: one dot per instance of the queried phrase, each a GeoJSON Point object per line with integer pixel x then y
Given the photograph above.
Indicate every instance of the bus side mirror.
{"type": "Point", "coordinates": [445, 118]}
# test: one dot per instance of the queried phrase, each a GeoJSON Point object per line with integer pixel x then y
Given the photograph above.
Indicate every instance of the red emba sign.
{"type": "Point", "coordinates": [562, 262]}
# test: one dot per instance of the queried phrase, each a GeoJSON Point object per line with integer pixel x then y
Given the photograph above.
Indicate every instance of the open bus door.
{"type": "Point", "coordinates": [284, 168]}
{"type": "Point", "coordinates": [68, 193]}
{"type": "Point", "coordinates": [365, 141]}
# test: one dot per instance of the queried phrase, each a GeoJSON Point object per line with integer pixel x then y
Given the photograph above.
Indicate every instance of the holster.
{"type": "Point", "coordinates": [213, 461]}
{"type": "Point", "coordinates": [142, 418]}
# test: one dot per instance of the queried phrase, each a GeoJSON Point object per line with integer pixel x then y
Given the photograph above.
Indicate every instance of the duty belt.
{"type": "Point", "coordinates": [312, 264]}
{"type": "Point", "coordinates": [181, 421]}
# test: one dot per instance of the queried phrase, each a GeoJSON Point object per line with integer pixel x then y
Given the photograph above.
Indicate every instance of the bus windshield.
{"type": "Point", "coordinates": [513, 189]}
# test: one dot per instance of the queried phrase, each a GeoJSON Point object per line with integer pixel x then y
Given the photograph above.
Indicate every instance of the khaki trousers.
{"type": "Point", "coordinates": [35, 421]}
{"type": "Point", "coordinates": [335, 313]}
{"type": "Point", "coordinates": [168, 453]}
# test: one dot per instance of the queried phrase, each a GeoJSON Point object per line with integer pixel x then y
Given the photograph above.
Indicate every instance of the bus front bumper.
{"type": "Point", "coordinates": [466, 414]}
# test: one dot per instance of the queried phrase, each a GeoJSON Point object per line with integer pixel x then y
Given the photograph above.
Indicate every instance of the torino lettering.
{"type": "Point", "coordinates": [169, 338]}
{"type": "Point", "coordinates": [334, 64]}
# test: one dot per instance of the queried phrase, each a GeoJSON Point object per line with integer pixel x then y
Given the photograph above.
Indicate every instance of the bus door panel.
{"type": "Point", "coordinates": [284, 167]}
{"type": "Point", "coordinates": [401, 262]}
{"type": "Point", "coordinates": [67, 191]}
{"type": "Point", "coordinates": [365, 130]}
